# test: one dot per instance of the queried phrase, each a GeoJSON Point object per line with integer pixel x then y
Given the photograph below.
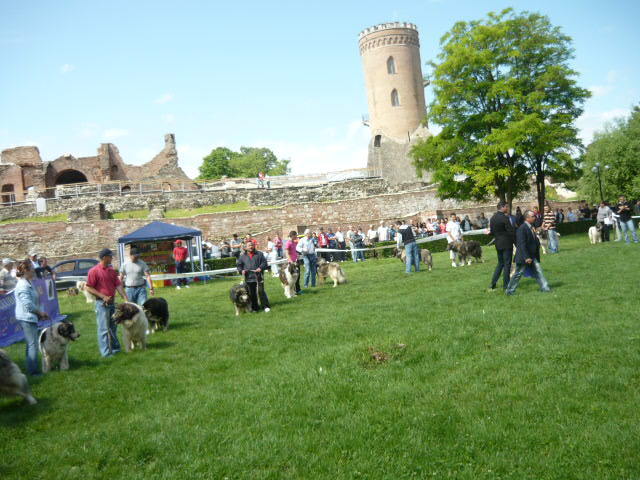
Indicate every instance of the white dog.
{"type": "Point", "coordinates": [135, 325]}
{"type": "Point", "coordinates": [54, 344]}
{"type": "Point", "coordinates": [80, 285]}
{"type": "Point", "coordinates": [288, 277]}
{"type": "Point", "coordinates": [594, 235]}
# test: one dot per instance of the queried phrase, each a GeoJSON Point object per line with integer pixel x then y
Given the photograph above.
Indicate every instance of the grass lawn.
{"type": "Point", "coordinates": [190, 212]}
{"type": "Point", "coordinates": [536, 386]}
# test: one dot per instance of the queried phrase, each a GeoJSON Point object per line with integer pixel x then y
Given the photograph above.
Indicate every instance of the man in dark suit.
{"type": "Point", "coordinates": [252, 265]}
{"type": "Point", "coordinates": [527, 255]}
{"type": "Point", "coordinates": [504, 234]}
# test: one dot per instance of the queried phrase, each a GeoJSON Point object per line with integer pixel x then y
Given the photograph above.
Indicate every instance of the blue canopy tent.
{"type": "Point", "coordinates": [156, 231]}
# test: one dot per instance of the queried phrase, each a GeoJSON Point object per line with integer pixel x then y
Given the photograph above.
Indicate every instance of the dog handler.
{"type": "Point", "coordinates": [405, 236]}
{"type": "Point", "coordinates": [103, 282]}
{"type": "Point", "coordinates": [252, 264]}
{"type": "Point", "coordinates": [504, 233]}
{"type": "Point", "coordinates": [135, 275]}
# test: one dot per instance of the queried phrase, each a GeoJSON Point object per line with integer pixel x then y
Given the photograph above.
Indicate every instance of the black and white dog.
{"type": "Point", "coordinates": [135, 325]}
{"type": "Point", "coordinates": [54, 345]}
{"type": "Point", "coordinates": [288, 277]}
{"type": "Point", "coordinates": [13, 383]}
{"type": "Point", "coordinates": [157, 311]}
{"type": "Point", "coordinates": [239, 295]}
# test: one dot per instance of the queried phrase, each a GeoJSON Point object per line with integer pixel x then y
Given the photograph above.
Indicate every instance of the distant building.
{"type": "Point", "coordinates": [395, 93]}
{"type": "Point", "coordinates": [22, 170]}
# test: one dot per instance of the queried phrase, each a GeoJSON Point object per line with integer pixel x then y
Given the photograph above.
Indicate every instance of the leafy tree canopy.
{"type": "Point", "coordinates": [506, 99]}
{"type": "Point", "coordinates": [248, 162]}
{"type": "Point", "coordinates": [617, 147]}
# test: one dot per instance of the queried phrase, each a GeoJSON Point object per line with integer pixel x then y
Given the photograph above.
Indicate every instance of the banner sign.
{"type": "Point", "coordinates": [10, 330]}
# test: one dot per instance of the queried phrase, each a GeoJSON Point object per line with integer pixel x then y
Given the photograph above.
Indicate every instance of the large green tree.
{"type": "Point", "coordinates": [506, 99]}
{"type": "Point", "coordinates": [618, 148]}
{"type": "Point", "coordinates": [248, 162]}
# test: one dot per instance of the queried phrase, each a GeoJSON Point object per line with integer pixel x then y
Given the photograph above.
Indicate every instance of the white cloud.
{"type": "Point", "coordinates": [66, 68]}
{"type": "Point", "coordinates": [591, 122]}
{"type": "Point", "coordinates": [168, 117]}
{"type": "Point", "coordinates": [600, 90]}
{"type": "Point", "coordinates": [164, 98]}
{"type": "Point", "coordinates": [115, 133]}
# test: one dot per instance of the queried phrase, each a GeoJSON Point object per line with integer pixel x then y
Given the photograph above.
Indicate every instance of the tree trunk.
{"type": "Point", "coordinates": [541, 189]}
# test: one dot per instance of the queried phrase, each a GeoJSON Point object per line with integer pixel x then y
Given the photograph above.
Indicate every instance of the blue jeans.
{"type": "Point", "coordinates": [30, 330]}
{"type": "Point", "coordinates": [181, 267]}
{"type": "Point", "coordinates": [537, 273]}
{"type": "Point", "coordinates": [137, 294]}
{"type": "Point", "coordinates": [107, 329]}
{"type": "Point", "coordinates": [413, 256]}
{"type": "Point", "coordinates": [553, 241]}
{"type": "Point", "coordinates": [310, 263]}
{"type": "Point", "coordinates": [628, 226]}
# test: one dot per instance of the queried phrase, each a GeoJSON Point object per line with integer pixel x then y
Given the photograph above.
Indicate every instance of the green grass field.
{"type": "Point", "coordinates": [190, 212]}
{"type": "Point", "coordinates": [535, 386]}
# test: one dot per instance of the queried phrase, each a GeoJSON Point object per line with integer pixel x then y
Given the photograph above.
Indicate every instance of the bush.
{"type": "Point", "coordinates": [219, 263]}
{"type": "Point", "coordinates": [575, 227]}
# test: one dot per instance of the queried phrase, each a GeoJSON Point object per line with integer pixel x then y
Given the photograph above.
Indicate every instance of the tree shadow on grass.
{"type": "Point", "coordinates": [15, 411]}
{"type": "Point", "coordinates": [160, 345]}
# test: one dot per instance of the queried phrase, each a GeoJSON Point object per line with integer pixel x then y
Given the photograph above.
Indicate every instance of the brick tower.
{"type": "Point", "coordinates": [395, 93]}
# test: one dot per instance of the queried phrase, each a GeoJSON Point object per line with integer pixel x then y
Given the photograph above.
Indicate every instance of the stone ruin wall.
{"type": "Point", "coordinates": [63, 240]}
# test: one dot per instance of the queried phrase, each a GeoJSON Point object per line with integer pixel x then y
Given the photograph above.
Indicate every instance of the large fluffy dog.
{"type": "Point", "coordinates": [288, 277]}
{"type": "Point", "coordinates": [80, 285]}
{"type": "Point", "coordinates": [331, 270]}
{"type": "Point", "coordinates": [54, 344]}
{"type": "Point", "coordinates": [595, 234]}
{"type": "Point", "coordinates": [157, 311]}
{"type": "Point", "coordinates": [425, 257]}
{"type": "Point", "coordinates": [466, 251]}
{"type": "Point", "coordinates": [13, 383]}
{"type": "Point", "coordinates": [134, 323]}
{"type": "Point", "coordinates": [543, 238]}
{"type": "Point", "coordinates": [239, 295]}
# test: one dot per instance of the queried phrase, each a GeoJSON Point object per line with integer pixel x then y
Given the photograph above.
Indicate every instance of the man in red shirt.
{"type": "Point", "coordinates": [103, 282]}
{"type": "Point", "coordinates": [180, 255]}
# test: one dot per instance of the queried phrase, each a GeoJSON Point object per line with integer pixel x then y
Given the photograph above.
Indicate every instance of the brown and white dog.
{"type": "Point", "coordinates": [13, 383]}
{"type": "Point", "coordinates": [54, 344]}
{"type": "Point", "coordinates": [134, 325]}
{"type": "Point", "coordinates": [425, 257]}
{"type": "Point", "coordinates": [80, 285]}
{"type": "Point", "coordinates": [331, 270]}
{"type": "Point", "coordinates": [239, 295]}
{"type": "Point", "coordinates": [289, 275]}
{"type": "Point", "coordinates": [465, 251]}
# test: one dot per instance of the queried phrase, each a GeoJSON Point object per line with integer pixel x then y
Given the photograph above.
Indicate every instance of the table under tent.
{"type": "Point", "coordinates": [155, 242]}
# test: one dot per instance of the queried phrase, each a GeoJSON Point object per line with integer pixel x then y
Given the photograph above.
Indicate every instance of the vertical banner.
{"type": "Point", "coordinates": [10, 330]}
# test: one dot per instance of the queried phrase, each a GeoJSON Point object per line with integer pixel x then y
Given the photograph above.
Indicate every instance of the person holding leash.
{"type": "Point", "coordinates": [135, 275]}
{"type": "Point", "coordinates": [103, 282]}
{"type": "Point", "coordinates": [406, 237]}
{"type": "Point", "coordinates": [502, 230]}
{"type": "Point", "coordinates": [252, 264]}
{"type": "Point", "coordinates": [307, 248]}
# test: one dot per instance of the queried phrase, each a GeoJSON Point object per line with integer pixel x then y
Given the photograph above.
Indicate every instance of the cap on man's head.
{"type": "Point", "coordinates": [7, 261]}
{"type": "Point", "coordinates": [105, 252]}
{"type": "Point", "coordinates": [178, 242]}
{"type": "Point", "coordinates": [307, 231]}
{"type": "Point", "coordinates": [134, 251]}
{"type": "Point", "coordinates": [33, 253]}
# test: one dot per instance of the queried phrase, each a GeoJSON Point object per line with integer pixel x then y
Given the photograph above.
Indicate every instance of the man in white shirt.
{"type": "Point", "coordinates": [341, 244]}
{"type": "Point", "coordinates": [383, 233]}
{"type": "Point", "coordinates": [454, 234]}
{"type": "Point", "coordinates": [308, 250]}
{"type": "Point", "coordinates": [350, 233]}
{"type": "Point", "coordinates": [372, 235]}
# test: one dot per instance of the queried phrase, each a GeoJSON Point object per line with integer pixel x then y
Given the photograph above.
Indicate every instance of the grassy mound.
{"type": "Point", "coordinates": [389, 376]}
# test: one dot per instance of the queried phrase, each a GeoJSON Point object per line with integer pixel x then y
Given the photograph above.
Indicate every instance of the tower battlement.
{"type": "Point", "coordinates": [387, 26]}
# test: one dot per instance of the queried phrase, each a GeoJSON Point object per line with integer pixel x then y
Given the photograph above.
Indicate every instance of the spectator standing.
{"type": "Point", "coordinates": [383, 233]}
{"type": "Point", "coordinates": [33, 258]}
{"type": "Point", "coordinates": [28, 312]}
{"type": "Point", "coordinates": [585, 211]}
{"type": "Point", "coordinates": [466, 224]}
{"type": "Point", "coordinates": [236, 245]}
{"type": "Point", "coordinates": [636, 209]}
{"type": "Point", "coordinates": [272, 257]}
{"type": "Point", "coordinates": [626, 222]}
{"type": "Point", "coordinates": [342, 244]}
{"type": "Point", "coordinates": [405, 237]}
{"type": "Point", "coordinates": [7, 279]}
{"type": "Point", "coordinates": [44, 270]}
{"type": "Point", "coordinates": [350, 233]}
{"type": "Point", "coordinates": [180, 254]}
{"type": "Point", "coordinates": [527, 254]}
{"type": "Point", "coordinates": [290, 249]}
{"type": "Point", "coordinates": [504, 233]}
{"type": "Point", "coordinates": [307, 248]}
{"type": "Point", "coordinates": [605, 220]}
{"type": "Point", "coordinates": [225, 250]}
{"type": "Point", "coordinates": [372, 235]}
{"type": "Point", "coordinates": [278, 241]}
{"type": "Point", "coordinates": [103, 282]}
{"type": "Point", "coordinates": [549, 224]}
{"type": "Point", "coordinates": [135, 274]}
{"type": "Point", "coordinates": [559, 216]}
{"type": "Point", "coordinates": [484, 221]}
{"type": "Point", "coordinates": [571, 215]}
{"type": "Point", "coordinates": [454, 234]}
{"type": "Point", "coordinates": [323, 242]}
{"type": "Point", "coordinates": [252, 265]}
{"type": "Point", "coordinates": [519, 220]}
{"type": "Point", "coordinates": [358, 244]}
{"type": "Point", "coordinates": [333, 245]}
{"type": "Point", "coordinates": [260, 179]}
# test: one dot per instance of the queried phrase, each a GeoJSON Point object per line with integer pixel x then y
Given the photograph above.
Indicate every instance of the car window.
{"type": "Point", "coordinates": [85, 265]}
{"type": "Point", "coordinates": [66, 266]}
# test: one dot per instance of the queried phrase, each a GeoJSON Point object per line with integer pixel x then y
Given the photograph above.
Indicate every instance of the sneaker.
{"type": "Point", "coordinates": [453, 264]}
{"type": "Point", "coordinates": [267, 309]}
{"type": "Point", "coordinates": [187, 286]}
{"type": "Point", "coordinates": [177, 287]}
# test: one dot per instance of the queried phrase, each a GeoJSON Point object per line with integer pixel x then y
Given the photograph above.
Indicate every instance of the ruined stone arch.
{"type": "Point", "coordinates": [70, 175]}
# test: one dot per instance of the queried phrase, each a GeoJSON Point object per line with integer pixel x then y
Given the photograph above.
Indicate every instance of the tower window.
{"type": "Point", "coordinates": [376, 140]}
{"type": "Point", "coordinates": [391, 66]}
{"type": "Point", "coordinates": [395, 98]}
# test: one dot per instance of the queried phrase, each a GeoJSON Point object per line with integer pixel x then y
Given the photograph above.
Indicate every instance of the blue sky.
{"type": "Point", "coordinates": [285, 75]}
